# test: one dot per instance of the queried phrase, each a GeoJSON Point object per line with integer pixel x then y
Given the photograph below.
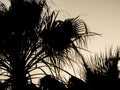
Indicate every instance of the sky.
{"type": "Point", "coordinates": [101, 16]}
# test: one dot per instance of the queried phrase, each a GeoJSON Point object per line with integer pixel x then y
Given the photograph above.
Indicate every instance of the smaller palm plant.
{"type": "Point", "coordinates": [103, 72]}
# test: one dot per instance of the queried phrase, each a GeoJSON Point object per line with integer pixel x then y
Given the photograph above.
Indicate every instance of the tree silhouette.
{"type": "Point", "coordinates": [104, 74]}
{"type": "Point", "coordinates": [30, 34]}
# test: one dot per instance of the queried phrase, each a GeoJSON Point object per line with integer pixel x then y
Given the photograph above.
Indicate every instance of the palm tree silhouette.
{"type": "Point", "coordinates": [30, 36]}
{"type": "Point", "coordinates": [105, 73]}
{"type": "Point", "coordinates": [17, 37]}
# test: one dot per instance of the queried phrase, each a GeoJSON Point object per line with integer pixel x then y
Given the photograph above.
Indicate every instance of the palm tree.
{"type": "Point", "coordinates": [104, 73]}
{"type": "Point", "coordinates": [17, 37]}
{"type": "Point", "coordinates": [31, 35]}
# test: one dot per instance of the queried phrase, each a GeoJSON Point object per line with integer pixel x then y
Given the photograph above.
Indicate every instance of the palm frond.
{"type": "Point", "coordinates": [57, 36]}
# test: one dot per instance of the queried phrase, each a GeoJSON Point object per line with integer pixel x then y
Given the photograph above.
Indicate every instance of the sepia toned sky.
{"type": "Point", "coordinates": [101, 16]}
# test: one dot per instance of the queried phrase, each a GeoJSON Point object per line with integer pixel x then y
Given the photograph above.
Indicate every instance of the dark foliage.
{"type": "Point", "coordinates": [17, 37]}
{"type": "Point", "coordinates": [77, 84]}
{"type": "Point", "coordinates": [51, 83]}
{"type": "Point", "coordinates": [31, 87]}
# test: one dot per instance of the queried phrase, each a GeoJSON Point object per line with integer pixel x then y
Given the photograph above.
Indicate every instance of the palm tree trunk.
{"type": "Point", "coordinates": [18, 74]}
{"type": "Point", "coordinates": [19, 81]}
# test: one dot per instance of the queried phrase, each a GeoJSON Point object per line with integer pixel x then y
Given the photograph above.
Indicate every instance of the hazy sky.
{"type": "Point", "coordinates": [102, 16]}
